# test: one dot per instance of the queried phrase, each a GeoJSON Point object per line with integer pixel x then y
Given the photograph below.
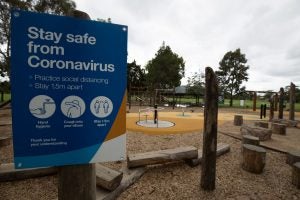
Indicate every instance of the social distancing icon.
{"type": "Point", "coordinates": [101, 106]}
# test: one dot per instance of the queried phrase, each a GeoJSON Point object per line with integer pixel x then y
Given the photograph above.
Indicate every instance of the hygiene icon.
{"type": "Point", "coordinates": [72, 106]}
{"type": "Point", "coordinates": [42, 106]}
{"type": "Point", "coordinates": [101, 106]}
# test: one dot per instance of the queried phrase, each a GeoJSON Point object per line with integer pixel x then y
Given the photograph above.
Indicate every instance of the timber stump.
{"type": "Point", "coordinates": [238, 120]}
{"type": "Point", "coordinates": [253, 158]}
{"type": "Point", "coordinates": [248, 139]}
{"type": "Point", "coordinates": [292, 157]}
{"type": "Point", "coordinates": [278, 128]}
{"type": "Point", "coordinates": [296, 175]}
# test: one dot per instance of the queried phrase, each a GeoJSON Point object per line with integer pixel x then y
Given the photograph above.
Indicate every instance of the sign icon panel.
{"type": "Point", "coordinates": [72, 106]}
{"type": "Point", "coordinates": [42, 106]}
{"type": "Point", "coordinates": [101, 106]}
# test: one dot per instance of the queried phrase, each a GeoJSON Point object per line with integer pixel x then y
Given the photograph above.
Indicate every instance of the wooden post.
{"type": "Point", "coordinates": [276, 102]}
{"type": "Point", "coordinates": [208, 173]}
{"type": "Point", "coordinates": [77, 181]}
{"type": "Point", "coordinates": [292, 102]}
{"type": "Point", "coordinates": [280, 113]}
{"type": "Point", "coordinates": [271, 116]}
{"type": "Point", "coordinates": [254, 101]}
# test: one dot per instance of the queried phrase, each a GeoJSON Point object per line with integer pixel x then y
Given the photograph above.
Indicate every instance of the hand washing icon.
{"type": "Point", "coordinates": [42, 106]}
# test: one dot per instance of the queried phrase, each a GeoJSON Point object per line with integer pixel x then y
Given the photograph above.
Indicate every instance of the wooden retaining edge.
{"type": "Point", "coordinates": [130, 176]}
{"type": "Point", "coordinates": [9, 173]}
{"type": "Point", "coordinates": [222, 148]}
{"type": "Point", "coordinates": [261, 144]}
{"type": "Point", "coordinates": [162, 156]}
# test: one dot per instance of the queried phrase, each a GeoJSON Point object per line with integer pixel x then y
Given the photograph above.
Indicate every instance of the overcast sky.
{"type": "Point", "coordinates": [202, 31]}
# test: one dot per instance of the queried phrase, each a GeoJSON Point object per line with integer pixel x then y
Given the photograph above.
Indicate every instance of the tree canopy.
{"type": "Point", "coordinates": [165, 70]}
{"type": "Point", "coordinates": [60, 7]}
{"type": "Point", "coordinates": [232, 73]}
{"type": "Point", "coordinates": [196, 85]}
{"type": "Point", "coordinates": [135, 75]}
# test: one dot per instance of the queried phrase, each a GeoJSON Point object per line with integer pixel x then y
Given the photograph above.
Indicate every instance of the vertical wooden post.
{"type": "Point", "coordinates": [292, 102]}
{"type": "Point", "coordinates": [281, 98]}
{"type": "Point", "coordinates": [254, 101]}
{"type": "Point", "coordinates": [276, 102]}
{"type": "Point", "coordinates": [77, 181]}
{"type": "Point", "coordinates": [208, 173]}
{"type": "Point", "coordinates": [271, 108]}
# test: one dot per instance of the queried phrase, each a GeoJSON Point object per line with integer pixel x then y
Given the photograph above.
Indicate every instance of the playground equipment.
{"type": "Point", "coordinates": [155, 123]}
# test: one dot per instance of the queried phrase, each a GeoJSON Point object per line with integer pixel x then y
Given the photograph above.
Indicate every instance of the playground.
{"type": "Point", "coordinates": [177, 180]}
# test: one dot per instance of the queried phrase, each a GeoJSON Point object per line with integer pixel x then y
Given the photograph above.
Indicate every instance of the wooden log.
{"type": "Point", "coordinates": [130, 176]}
{"type": "Point", "coordinates": [281, 99]}
{"type": "Point", "coordinates": [262, 133]}
{"type": "Point", "coordinates": [248, 139]}
{"type": "Point", "coordinates": [238, 120]}
{"type": "Point", "coordinates": [292, 157]}
{"type": "Point", "coordinates": [296, 175]}
{"type": "Point", "coordinates": [162, 156]}
{"type": "Point", "coordinates": [262, 124]}
{"type": "Point", "coordinates": [292, 101]}
{"type": "Point", "coordinates": [279, 128]}
{"type": "Point", "coordinates": [9, 173]}
{"type": "Point", "coordinates": [108, 178]}
{"type": "Point", "coordinates": [253, 158]}
{"type": "Point", "coordinates": [209, 150]}
{"type": "Point", "coordinates": [77, 181]}
{"type": "Point", "coordinates": [5, 141]}
{"type": "Point", "coordinates": [222, 148]}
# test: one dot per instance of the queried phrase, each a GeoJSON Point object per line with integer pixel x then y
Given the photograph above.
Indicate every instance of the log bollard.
{"type": "Point", "coordinates": [253, 158]}
{"type": "Point", "coordinates": [238, 120]}
{"type": "Point", "coordinates": [279, 128]}
{"type": "Point", "coordinates": [296, 175]}
{"type": "Point", "coordinates": [248, 139]}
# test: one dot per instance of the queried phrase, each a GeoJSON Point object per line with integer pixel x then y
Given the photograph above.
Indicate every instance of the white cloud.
{"type": "Point", "coordinates": [202, 31]}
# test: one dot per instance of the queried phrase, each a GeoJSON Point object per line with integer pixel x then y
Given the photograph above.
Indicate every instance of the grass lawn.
{"type": "Point", "coordinates": [6, 97]}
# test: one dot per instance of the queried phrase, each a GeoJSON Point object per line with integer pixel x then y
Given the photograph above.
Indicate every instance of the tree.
{"type": "Point", "coordinates": [135, 75]}
{"type": "Point", "coordinates": [60, 7]}
{"type": "Point", "coordinates": [196, 85]}
{"type": "Point", "coordinates": [232, 72]}
{"type": "Point", "coordinates": [165, 70]}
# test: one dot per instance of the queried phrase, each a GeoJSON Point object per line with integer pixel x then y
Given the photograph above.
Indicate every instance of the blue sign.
{"type": "Point", "coordinates": [68, 90]}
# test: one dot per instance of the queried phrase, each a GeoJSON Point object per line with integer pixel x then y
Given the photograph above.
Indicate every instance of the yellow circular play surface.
{"type": "Point", "coordinates": [190, 122]}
